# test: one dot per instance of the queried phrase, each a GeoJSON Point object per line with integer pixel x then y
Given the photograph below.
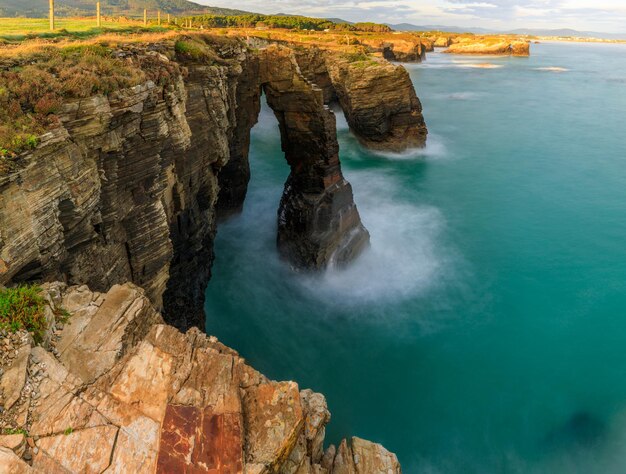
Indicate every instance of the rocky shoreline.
{"type": "Point", "coordinates": [116, 390]}
{"type": "Point", "coordinates": [129, 186]}
{"type": "Point", "coordinates": [122, 197]}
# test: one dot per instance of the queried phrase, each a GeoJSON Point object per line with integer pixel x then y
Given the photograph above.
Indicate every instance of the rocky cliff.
{"type": "Point", "coordinates": [495, 46]}
{"type": "Point", "coordinates": [116, 390]}
{"type": "Point", "coordinates": [378, 98]}
{"type": "Point", "coordinates": [128, 185]}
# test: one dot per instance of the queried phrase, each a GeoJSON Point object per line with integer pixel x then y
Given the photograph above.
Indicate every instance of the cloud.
{"type": "Point", "coordinates": [605, 15]}
{"type": "Point", "coordinates": [506, 9]}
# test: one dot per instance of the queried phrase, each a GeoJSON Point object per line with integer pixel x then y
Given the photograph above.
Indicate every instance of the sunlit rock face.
{"type": "Point", "coordinates": [380, 104]}
{"type": "Point", "coordinates": [377, 97]}
{"type": "Point", "coordinates": [119, 391]}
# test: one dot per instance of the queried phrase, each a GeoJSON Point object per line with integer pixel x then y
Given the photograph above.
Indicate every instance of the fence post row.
{"type": "Point", "coordinates": [99, 16]}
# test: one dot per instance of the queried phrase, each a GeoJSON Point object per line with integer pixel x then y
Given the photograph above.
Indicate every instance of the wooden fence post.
{"type": "Point", "coordinates": [99, 21]}
{"type": "Point", "coordinates": [159, 17]}
{"type": "Point", "coordinates": [51, 15]}
{"type": "Point", "coordinates": [145, 17]}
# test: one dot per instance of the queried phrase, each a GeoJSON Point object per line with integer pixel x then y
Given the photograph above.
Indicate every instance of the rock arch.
{"type": "Point", "coordinates": [318, 221]}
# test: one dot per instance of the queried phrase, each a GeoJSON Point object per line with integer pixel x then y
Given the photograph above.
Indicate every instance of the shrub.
{"type": "Point", "coordinates": [355, 57]}
{"type": "Point", "coordinates": [31, 95]}
{"type": "Point", "coordinates": [195, 50]}
{"type": "Point", "coordinates": [23, 308]}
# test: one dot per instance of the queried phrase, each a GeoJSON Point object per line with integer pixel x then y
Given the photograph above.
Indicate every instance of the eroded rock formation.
{"type": "Point", "coordinates": [380, 104]}
{"type": "Point", "coordinates": [116, 390]}
{"type": "Point", "coordinates": [128, 187]}
{"type": "Point", "coordinates": [404, 49]}
{"type": "Point", "coordinates": [495, 46]}
{"type": "Point", "coordinates": [377, 97]}
{"type": "Point", "coordinates": [318, 222]}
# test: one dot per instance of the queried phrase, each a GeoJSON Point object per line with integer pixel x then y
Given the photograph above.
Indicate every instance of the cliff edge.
{"type": "Point", "coordinates": [113, 389]}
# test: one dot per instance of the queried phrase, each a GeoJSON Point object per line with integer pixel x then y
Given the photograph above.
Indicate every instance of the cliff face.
{"type": "Point", "coordinates": [318, 221]}
{"type": "Point", "coordinates": [129, 186]}
{"type": "Point", "coordinates": [380, 104]}
{"type": "Point", "coordinates": [489, 46]}
{"type": "Point", "coordinates": [116, 390]}
{"type": "Point", "coordinates": [125, 188]}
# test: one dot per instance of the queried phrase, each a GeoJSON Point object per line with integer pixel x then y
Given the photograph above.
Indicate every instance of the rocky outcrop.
{"type": "Point", "coordinates": [125, 188]}
{"type": "Point", "coordinates": [442, 42]}
{"type": "Point", "coordinates": [490, 46]}
{"type": "Point", "coordinates": [378, 98]}
{"type": "Point", "coordinates": [389, 119]}
{"type": "Point", "coordinates": [145, 397]}
{"type": "Point", "coordinates": [318, 222]}
{"type": "Point", "coordinates": [404, 49]}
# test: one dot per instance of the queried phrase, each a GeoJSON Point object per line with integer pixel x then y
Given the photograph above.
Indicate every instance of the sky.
{"type": "Point", "coordinates": [607, 16]}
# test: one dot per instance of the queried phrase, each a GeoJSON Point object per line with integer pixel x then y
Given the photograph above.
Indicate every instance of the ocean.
{"type": "Point", "coordinates": [484, 331]}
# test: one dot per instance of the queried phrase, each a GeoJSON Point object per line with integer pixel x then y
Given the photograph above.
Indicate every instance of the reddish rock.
{"type": "Point", "coordinates": [194, 440]}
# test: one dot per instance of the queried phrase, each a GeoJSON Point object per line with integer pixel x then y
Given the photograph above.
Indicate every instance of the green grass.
{"type": "Point", "coordinates": [20, 29]}
{"type": "Point", "coordinates": [23, 308]}
{"type": "Point", "coordinates": [14, 431]}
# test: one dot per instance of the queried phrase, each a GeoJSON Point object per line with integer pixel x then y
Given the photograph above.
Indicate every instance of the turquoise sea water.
{"type": "Point", "coordinates": [485, 329]}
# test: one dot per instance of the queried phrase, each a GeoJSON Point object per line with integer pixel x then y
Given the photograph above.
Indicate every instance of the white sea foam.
{"type": "Point", "coordinates": [405, 259]}
{"type": "Point", "coordinates": [552, 69]}
{"type": "Point", "coordinates": [461, 95]}
{"type": "Point", "coordinates": [435, 149]}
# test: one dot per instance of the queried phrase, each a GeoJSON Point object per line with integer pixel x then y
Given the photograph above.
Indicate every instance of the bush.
{"type": "Point", "coordinates": [23, 308]}
{"type": "Point", "coordinates": [356, 57]}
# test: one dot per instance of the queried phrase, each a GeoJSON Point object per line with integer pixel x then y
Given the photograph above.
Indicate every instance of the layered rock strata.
{"type": "Point", "coordinates": [129, 186]}
{"type": "Point", "coordinates": [143, 397]}
{"type": "Point", "coordinates": [489, 46]}
{"type": "Point", "coordinates": [378, 98]}
{"type": "Point", "coordinates": [318, 221]}
{"type": "Point", "coordinates": [380, 104]}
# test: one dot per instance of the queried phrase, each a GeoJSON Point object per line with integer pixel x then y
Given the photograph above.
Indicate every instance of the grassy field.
{"type": "Point", "coordinates": [18, 29]}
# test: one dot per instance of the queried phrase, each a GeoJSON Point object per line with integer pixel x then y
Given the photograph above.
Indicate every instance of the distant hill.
{"type": "Point", "coordinates": [446, 28]}
{"type": "Point", "coordinates": [339, 21]}
{"type": "Point", "coordinates": [568, 32]}
{"type": "Point", "coordinates": [562, 32]}
{"type": "Point", "coordinates": [39, 8]}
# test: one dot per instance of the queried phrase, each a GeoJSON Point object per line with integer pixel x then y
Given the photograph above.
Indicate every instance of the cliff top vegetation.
{"type": "Point", "coordinates": [22, 308]}
{"type": "Point", "coordinates": [37, 76]}
{"type": "Point", "coordinates": [289, 22]}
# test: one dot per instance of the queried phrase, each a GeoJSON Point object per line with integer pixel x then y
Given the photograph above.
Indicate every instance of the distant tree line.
{"type": "Point", "coordinates": [284, 21]}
